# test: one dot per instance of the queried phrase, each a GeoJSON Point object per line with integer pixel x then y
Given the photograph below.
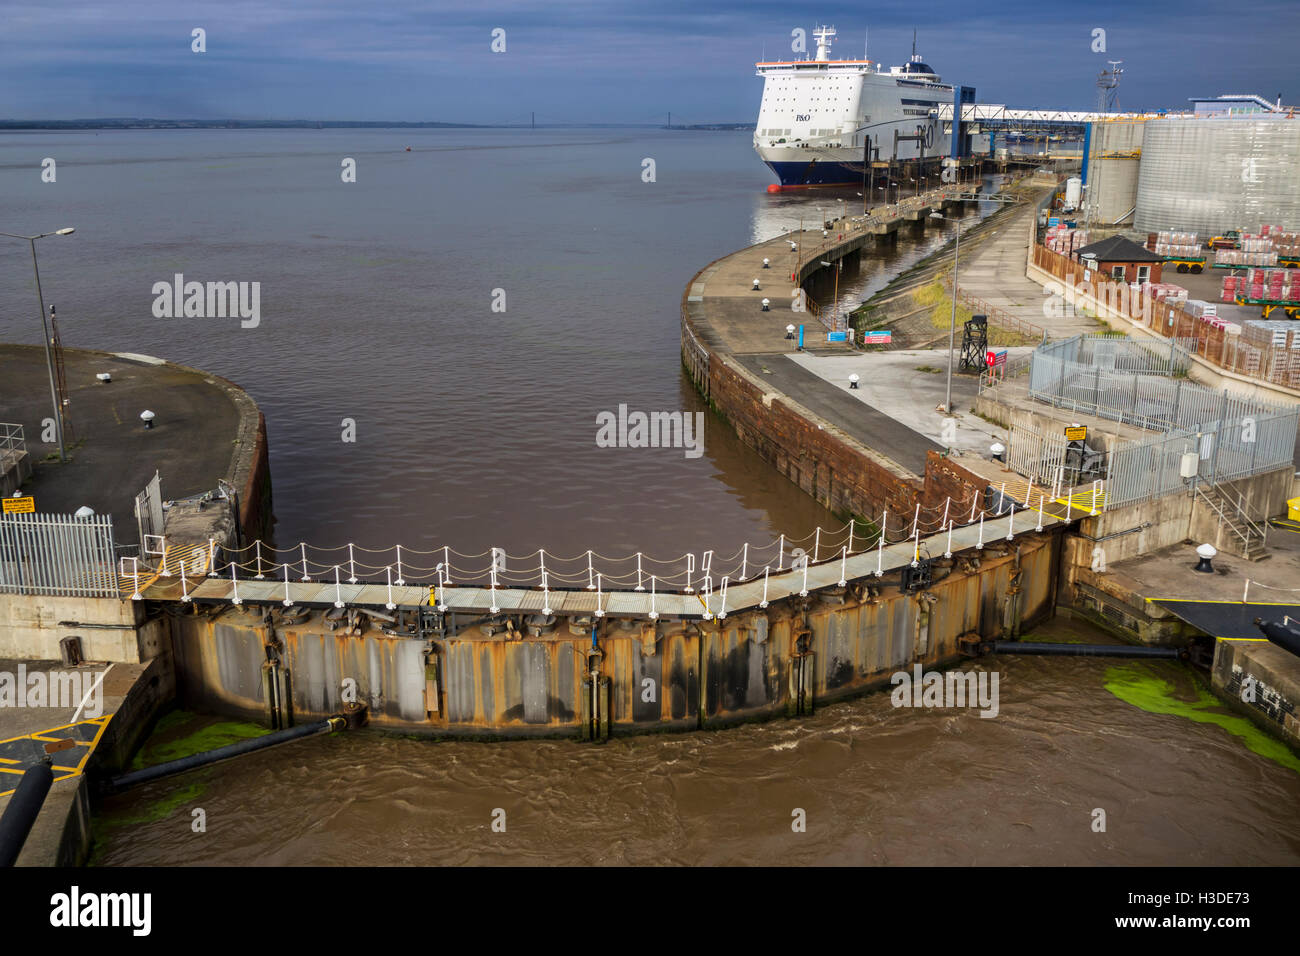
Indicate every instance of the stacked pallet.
{"type": "Point", "coordinates": [1271, 333]}
{"type": "Point", "coordinates": [1231, 283]}
{"type": "Point", "coordinates": [1065, 240]}
{"type": "Point", "coordinates": [1242, 257]}
{"type": "Point", "coordinates": [1165, 292]}
{"type": "Point", "coordinates": [1275, 285]}
{"type": "Point", "coordinates": [1286, 243]}
{"type": "Point", "coordinates": [1183, 244]}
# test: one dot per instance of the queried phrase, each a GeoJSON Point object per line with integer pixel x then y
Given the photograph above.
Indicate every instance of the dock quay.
{"type": "Point", "coordinates": [943, 549]}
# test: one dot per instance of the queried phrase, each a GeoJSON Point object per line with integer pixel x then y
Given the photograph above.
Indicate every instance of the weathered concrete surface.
{"type": "Point", "coordinates": [1271, 677]}
{"type": "Point", "coordinates": [852, 462]}
{"type": "Point", "coordinates": [134, 694]}
{"type": "Point", "coordinates": [797, 376]}
{"type": "Point", "coordinates": [995, 273]}
{"type": "Point", "coordinates": [206, 428]}
{"type": "Point", "coordinates": [891, 385]}
{"type": "Point", "coordinates": [31, 626]}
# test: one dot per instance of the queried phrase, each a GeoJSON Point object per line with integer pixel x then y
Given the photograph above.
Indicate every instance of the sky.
{"type": "Point", "coordinates": [616, 61]}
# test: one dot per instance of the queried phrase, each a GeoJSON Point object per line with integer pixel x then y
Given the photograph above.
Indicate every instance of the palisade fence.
{"type": "Point", "coordinates": [1212, 341]}
{"type": "Point", "coordinates": [1231, 436]}
{"type": "Point", "coordinates": [57, 555]}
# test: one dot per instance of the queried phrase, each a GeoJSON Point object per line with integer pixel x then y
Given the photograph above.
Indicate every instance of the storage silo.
{"type": "Point", "coordinates": [1110, 170]}
{"type": "Point", "coordinates": [1211, 174]}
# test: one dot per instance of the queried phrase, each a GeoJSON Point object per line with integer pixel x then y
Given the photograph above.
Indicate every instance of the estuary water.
{"type": "Point", "coordinates": [463, 311]}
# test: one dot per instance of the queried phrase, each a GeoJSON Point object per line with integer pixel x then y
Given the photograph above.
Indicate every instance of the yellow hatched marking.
{"type": "Point", "coordinates": [67, 773]}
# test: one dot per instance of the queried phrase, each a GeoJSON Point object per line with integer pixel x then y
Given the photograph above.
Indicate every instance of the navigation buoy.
{"type": "Point", "coordinates": [408, 149]}
{"type": "Point", "coordinates": [774, 188]}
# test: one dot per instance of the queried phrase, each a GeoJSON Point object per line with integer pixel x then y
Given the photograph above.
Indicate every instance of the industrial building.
{"type": "Point", "coordinates": [1228, 164]}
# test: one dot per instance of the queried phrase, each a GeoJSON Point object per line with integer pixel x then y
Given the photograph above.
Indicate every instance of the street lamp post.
{"type": "Point", "coordinates": [49, 360]}
{"type": "Point", "coordinates": [952, 327]}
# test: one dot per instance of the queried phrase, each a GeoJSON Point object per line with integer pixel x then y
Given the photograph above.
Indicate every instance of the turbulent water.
{"type": "Point", "coordinates": [877, 785]}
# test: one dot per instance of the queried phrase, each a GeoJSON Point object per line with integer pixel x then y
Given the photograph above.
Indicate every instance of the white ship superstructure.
{"type": "Point", "coordinates": [818, 116]}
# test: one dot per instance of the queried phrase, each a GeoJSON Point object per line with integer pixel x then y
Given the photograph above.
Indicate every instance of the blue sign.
{"type": "Point", "coordinates": [837, 336]}
{"type": "Point", "coordinates": [878, 337]}
{"type": "Point", "coordinates": [1054, 221]}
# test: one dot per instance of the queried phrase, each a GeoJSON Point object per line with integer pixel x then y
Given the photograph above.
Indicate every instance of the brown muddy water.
{"type": "Point", "coordinates": [474, 428]}
{"type": "Point", "coordinates": [1143, 741]}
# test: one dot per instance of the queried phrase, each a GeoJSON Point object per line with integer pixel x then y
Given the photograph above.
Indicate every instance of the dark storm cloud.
{"type": "Point", "coordinates": [615, 61]}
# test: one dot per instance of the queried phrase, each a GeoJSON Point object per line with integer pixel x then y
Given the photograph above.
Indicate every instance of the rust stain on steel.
{"type": "Point", "coordinates": [670, 677]}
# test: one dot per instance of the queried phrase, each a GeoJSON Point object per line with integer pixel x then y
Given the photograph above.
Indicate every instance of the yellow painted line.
{"type": "Point", "coordinates": [17, 772]}
{"type": "Point", "coordinates": [1244, 640]}
{"type": "Point", "coordinates": [1221, 601]}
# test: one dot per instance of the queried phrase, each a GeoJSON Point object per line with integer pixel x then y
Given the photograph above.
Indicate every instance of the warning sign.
{"type": "Point", "coordinates": [1076, 433]}
{"type": "Point", "coordinates": [19, 506]}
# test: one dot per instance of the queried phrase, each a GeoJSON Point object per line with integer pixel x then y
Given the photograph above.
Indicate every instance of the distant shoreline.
{"type": "Point", "coordinates": [134, 123]}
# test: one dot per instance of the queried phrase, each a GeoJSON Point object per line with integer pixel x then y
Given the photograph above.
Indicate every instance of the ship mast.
{"type": "Point", "coordinates": [823, 35]}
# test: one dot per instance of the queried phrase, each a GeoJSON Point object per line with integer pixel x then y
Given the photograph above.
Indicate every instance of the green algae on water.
{"type": "Point", "coordinates": [169, 742]}
{"type": "Point", "coordinates": [1146, 691]}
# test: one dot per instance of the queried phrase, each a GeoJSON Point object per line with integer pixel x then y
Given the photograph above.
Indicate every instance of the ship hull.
{"type": "Point", "coordinates": [796, 168]}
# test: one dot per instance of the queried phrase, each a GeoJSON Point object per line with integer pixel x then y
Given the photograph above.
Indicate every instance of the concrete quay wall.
{"type": "Point", "coordinates": [839, 471]}
{"type": "Point", "coordinates": [1271, 678]}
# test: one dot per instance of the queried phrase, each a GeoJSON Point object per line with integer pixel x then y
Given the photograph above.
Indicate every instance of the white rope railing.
{"type": "Point", "coordinates": [496, 569]}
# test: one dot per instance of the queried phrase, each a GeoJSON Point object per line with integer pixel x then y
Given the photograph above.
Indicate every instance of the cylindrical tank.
{"type": "Point", "coordinates": [1073, 192]}
{"type": "Point", "coordinates": [1208, 175]}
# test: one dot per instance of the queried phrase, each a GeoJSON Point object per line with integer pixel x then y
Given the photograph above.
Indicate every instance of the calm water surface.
{"type": "Point", "coordinates": [474, 428]}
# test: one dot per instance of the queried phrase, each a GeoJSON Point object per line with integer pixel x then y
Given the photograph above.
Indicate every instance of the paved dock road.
{"type": "Point", "coordinates": [875, 429]}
